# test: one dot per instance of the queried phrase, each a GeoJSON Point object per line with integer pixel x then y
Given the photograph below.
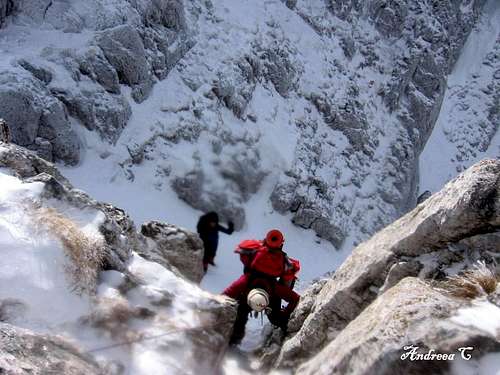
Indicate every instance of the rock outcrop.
{"type": "Point", "coordinates": [133, 46]}
{"type": "Point", "coordinates": [411, 314]}
{"type": "Point", "coordinates": [458, 224]}
{"type": "Point", "coordinates": [352, 89]}
{"type": "Point", "coordinates": [412, 92]}
{"type": "Point", "coordinates": [25, 352]}
{"type": "Point", "coordinates": [6, 9]}
{"type": "Point", "coordinates": [174, 247]}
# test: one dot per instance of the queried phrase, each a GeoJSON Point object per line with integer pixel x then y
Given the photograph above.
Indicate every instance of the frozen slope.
{"type": "Point", "coordinates": [467, 127]}
{"type": "Point", "coordinates": [49, 244]}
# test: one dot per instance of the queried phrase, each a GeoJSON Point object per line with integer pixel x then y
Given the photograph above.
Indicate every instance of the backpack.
{"type": "Point", "coordinates": [255, 256]}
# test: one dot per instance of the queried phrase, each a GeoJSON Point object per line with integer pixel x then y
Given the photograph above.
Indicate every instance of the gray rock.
{"type": "Point", "coordinates": [56, 127]}
{"type": "Point", "coordinates": [388, 16]}
{"type": "Point", "coordinates": [464, 207]}
{"type": "Point", "coordinates": [242, 176]}
{"type": "Point", "coordinates": [174, 246]}
{"type": "Point", "coordinates": [43, 148]}
{"type": "Point", "coordinates": [349, 118]}
{"type": "Point", "coordinates": [118, 229]}
{"type": "Point", "coordinates": [278, 68]}
{"type": "Point", "coordinates": [25, 164]}
{"type": "Point", "coordinates": [31, 112]}
{"type": "Point", "coordinates": [11, 308]}
{"type": "Point", "coordinates": [399, 271]}
{"type": "Point", "coordinates": [25, 352]}
{"type": "Point", "coordinates": [169, 14]}
{"type": "Point", "coordinates": [290, 3]}
{"type": "Point", "coordinates": [343, 9]}
{"type": "Point", "coordinates": [428, 42]}
{"type": "Point", "coordinates": [235, 84]}
{"type": "Point", "coordinates": [190, 188]}
{"type": "Point", "coordinates": [494, 298]}
{"type": "Point", "coordinates": [7, 7]}
{"type": "Point", "coordinates": [39, 71]}
{"type": "Point", "coordinates": [4, 131]}
{"type": "Point", "coordinates": [94, 64]}
{"type": "Point", "coordinates": [348, 46]}
{"type": "Point", "coordinates": [96, 109]}
{"type": "Point", "coordinates": [124, 49]}
{"type": "Point", "coordinates": [411, 313]}
{"type": "Point", "coordinates": [21, 107]}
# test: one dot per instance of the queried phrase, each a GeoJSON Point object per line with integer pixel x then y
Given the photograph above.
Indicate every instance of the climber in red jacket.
{"type": "Point", "coordinates": [267, 269]}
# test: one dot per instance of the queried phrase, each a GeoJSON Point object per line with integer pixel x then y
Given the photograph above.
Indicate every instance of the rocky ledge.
{"type": "Point", "coordinates": [393, 291]}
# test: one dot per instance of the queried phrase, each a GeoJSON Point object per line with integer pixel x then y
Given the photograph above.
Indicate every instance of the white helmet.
{"type": "Point", "coordinates": [258, 299]}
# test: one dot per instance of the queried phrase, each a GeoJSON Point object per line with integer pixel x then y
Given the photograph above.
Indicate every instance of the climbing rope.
{"type": "Point", "coordinates": [147, 338]}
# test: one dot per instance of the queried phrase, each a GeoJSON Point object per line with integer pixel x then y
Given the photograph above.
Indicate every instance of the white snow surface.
{"type": "Point", "coordinates": [34, 274]}
{"type": "Point", "coordinates": [482, 315]}
{"type": "Point", "coordinates": [488, 364]}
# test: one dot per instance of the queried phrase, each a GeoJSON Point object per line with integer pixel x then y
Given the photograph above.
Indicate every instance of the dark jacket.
{"type": "Point", "coordinates": [210, 234]}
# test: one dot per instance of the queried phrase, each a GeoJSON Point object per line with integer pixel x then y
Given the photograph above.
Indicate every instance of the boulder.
{"type": "Point", "coordinates": [410, 315]}
{"type": "Point", "coordinates": [21, 107]}
{"type": "Point", "coordinates": [193, 189]}
{"type": "Point", "coordinates": [279, 68]}
{"type": "Point", "coordinates": [124, 49]}
{"type": "Point", "coordinates": [25, 164]}
{"type": "Point", "coordinates": [42, 147]}
{"type": "Point", "coordinates": [96, 109]}
{"type": "Point", "coordinates": [25, 352]}
{"type": "Point", "coordinates": [94, 64]}
{"type": "Point", "coordinates": [56, 128]}
{"type": "Point", "coordinates": [6, 9]}
{"type": "Point", "coordinates": [38, 70]}
{"type": "Point", "coordinates": [174, 247]}
{"type": "Point", "coordinates": [467, 206]}
{"type": "Point", "coordinates": [235, 84]}
{"type": "Point", "coordinates": [32, 113]}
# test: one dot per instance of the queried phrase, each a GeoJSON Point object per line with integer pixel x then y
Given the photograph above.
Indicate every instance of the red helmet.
{"type": "Point", "coordinates": [274, 239]}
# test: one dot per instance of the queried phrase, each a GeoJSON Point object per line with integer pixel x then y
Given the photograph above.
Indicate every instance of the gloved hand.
{"type": "Point", "coordinates": [230, 225]}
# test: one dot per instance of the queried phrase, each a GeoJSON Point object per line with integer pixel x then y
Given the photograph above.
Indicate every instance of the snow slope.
{"type": "Point", "coordinates": [34, 273]}
{"type": "Point", "coordinates": [37, 292]}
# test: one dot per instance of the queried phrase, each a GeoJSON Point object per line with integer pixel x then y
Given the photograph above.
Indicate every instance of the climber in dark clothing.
{"type": "Point", "coordinates": [208, 228]}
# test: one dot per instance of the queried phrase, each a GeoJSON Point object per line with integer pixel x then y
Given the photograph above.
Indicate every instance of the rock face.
{"type": "Point", "coordinates": [173, 246]}
{"type": "Point", "coordinates": [25, 352]}
{"type": "Point", "coordinates": [459, 223]}
{"type": "Point", "coordinates": [134, 297]}
{"type": "Point", "coordinates": [333, 101]}
{"type": "Point", "coordinates": [131, 46]}
{"type": "Point", "coordinates": [123, 48]}
{"type": "Point", "coordinates": [6, 9]}
{"type": "Point", "coordinates": [413, 93]}
{"type": "Point", "coordinates": [34, 117]}
{"type": "Point", "coordinates": [410, 313]}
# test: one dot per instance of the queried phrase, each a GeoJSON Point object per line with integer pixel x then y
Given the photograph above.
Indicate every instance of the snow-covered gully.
{"type": "Point", "coordinates": [125, 121]}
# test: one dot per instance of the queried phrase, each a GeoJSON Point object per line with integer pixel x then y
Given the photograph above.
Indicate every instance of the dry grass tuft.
{"type": "Point", "coordinates": [476, 282]}
{"type": "Point", "coordinates": [84, 251]}
{"type": "Point", "coordinates": [114, 315]}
